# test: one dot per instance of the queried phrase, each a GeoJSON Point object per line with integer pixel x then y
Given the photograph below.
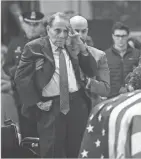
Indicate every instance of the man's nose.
{"type": "Point", "coordinates": [80, 33]}
{"type": "Point", "coordinates": [120, 38]}
{"type": "Point", "coordinates": [62, 34]}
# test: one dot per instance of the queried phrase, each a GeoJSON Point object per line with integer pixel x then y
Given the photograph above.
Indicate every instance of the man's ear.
{"type": "Point", "coordinates": [113, 36]}
{"type": "Point", "coordinates": [48, 27]}
{"type": "Point", "coordinates": [87, 30]}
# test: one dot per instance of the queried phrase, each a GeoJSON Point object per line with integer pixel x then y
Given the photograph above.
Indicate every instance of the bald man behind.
{"type": "Point", "coordinates": [79, 22]}
{"type": "Point", "coordinates": [99, 86]}
{"type": "Point", "coordinates": [80, 25]}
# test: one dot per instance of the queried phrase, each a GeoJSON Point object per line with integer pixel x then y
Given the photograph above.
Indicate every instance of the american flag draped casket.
{"type": "Point", "coordinates": [114, 128]}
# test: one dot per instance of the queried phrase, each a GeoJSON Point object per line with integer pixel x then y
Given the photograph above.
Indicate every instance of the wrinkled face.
{"type": "Point", "coordinates": [33, 30]}
{"type": "Point", "coordinates": [120, 38]}
{"type": "Point", "coordinates": [81, 28]}
{"type": "Point", "coordinates": [58, 32]}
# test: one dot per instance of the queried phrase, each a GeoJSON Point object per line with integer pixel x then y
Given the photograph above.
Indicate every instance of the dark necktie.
{"type": "Point", "coordinates": [64, 90]}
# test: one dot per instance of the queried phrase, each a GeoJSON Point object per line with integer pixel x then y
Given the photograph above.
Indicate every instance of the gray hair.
{"type": "Point", "coordinates": [58, 14]}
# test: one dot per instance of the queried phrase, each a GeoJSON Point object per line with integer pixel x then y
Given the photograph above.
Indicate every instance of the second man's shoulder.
{"type": "Point", "coordinates": [98, 54]}
{"type": "Point", "coordinates": [37, 42]}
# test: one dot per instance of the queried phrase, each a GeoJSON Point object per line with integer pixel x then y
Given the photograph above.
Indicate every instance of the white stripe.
{"type": "Point", "coordinates": [124, 127]}
{"type": "Point", "coordinates": [136, 143]}
{"type": "Point", "coordinates": [112, 122]}
{"type": "Point", "coordinates": [32, 21]}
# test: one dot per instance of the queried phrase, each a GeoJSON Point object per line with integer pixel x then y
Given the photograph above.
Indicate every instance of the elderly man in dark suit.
{"type": "Point", "coordinates": [49, 84]}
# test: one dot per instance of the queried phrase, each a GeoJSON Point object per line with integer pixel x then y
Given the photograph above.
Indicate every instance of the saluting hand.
{"type": "Point", "coordinates": [76, 38]}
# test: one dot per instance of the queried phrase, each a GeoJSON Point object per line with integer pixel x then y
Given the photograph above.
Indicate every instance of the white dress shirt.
{"type": "Point", "coordinates": [53, 87]}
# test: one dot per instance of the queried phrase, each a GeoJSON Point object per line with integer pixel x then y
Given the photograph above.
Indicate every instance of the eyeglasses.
{"type": "Point", "coordinates": [120, 36]}
{"type": "Point", "coordinates": [83, 31]}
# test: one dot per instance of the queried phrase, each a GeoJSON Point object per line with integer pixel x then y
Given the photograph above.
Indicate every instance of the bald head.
{"type": "Point", "coordinates": [78, 21]}
{"type": "Point", "coordinates": [80, 24]}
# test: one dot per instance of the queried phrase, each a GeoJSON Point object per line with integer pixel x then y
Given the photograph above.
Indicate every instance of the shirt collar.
{"type": "Point", "coordinates": [54, 48]}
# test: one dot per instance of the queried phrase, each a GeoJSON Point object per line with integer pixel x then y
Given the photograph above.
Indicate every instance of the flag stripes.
{"type": "Point", "coordinates": [114, 128]}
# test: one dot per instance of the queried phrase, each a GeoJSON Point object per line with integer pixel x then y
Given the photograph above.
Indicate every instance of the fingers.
{"type": "Point", "coordinates": [74, 35]}
{"type": "Point", "coordinates": [46, 106]}
{"type": "Point", "coordinates": [71, 30]}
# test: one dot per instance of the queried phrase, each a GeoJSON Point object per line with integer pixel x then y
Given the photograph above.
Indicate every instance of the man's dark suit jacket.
{"type": "Point", "coordinates": [30, 82]}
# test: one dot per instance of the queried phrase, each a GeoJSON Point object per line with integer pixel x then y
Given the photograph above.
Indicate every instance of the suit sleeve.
{"type": "Point", "coordinates": [101, 85]}
{"type": "Point", "coordinates": [88, 64]}
{"type": "Point", "coordinates": [24, 79]}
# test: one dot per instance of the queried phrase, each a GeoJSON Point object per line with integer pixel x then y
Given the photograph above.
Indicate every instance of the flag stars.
{"type": "Point", "coordinates": [109, 107]}
{"type": "Point", "coordinates": [102, 157]}
{"type": "Point", "coordinates": [103, 132]}
{"type": "Point", "coordinates": [97, 143]}
{"type": "Point", "coordinates": [90, 128]}
{"type": "Point", "coordinates": [91, 117]}
{"type": "Point", "coordinates": [99, 117]}
{"type": "Point", "coordinates": [84, 153]}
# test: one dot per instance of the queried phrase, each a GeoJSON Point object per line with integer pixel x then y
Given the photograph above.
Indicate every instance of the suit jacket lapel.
{"type": "Point", "coordinates": [47, 51]}
{"type": "Point", "coordinates": [44, 75]}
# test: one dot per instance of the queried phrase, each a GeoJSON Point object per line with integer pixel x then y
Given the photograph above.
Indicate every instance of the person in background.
{"type": "Point", "coordinates": [51, 90]}
{"type": "Point", "coordinates": [122, 58]}
{"type": "Point", "coordinates": [99, 86]}
{"type": "Point", "coordinates": [11, 11]}
{"type": "Point", "coordinates": [33, 27]}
